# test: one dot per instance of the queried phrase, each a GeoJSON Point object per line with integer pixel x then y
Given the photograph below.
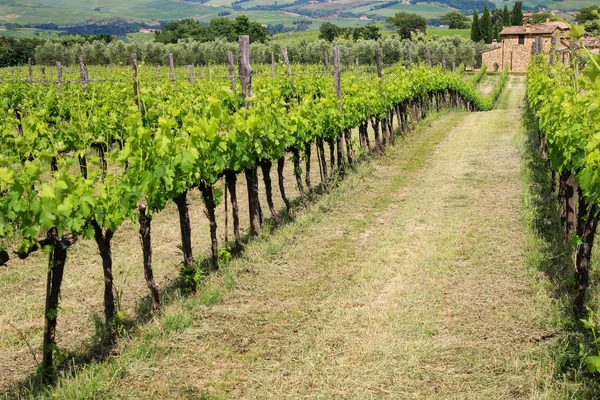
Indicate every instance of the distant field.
{"type": "Point", "coordinates": [77, 11]}
{"type": "Point", "coordinates": [463, 33]}
{"type": "Point", "coordinates": [425, 9]}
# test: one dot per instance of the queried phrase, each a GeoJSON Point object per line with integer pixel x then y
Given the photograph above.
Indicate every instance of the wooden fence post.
{"type": "Point", "coordinates": [136, 88]}
{"type": "Point", "coordinates": [191, 78]}
{"type": "Point", "coordinates": [245, 73]}
{"type": "Point", "coordinates": [286, 60]}
{"type": "Point", "coordinates": [231, 70]}
{"type": "Point", "coordinates": [83, 73]}
{"type": "Point", "coordinates": [379, 64]}
{"type": "Point", "coordinates": [346, 135]}
{"type": "Point", "coordinates": [59, 74]}
{"type": "Point", "coordinates": [29, 64]}
{"type": "Point", "coordinates": [171, 68]}
{"type": "Point", "coordinates": [273, 65]}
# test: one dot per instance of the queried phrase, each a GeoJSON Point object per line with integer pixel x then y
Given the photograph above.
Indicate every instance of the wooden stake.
{"type": "Point", "coordinates": [30, 78]}
{"type": "Point", "coordinates": [171, 68]}
{"type": "Point", "coordinates": [286, 60]}
{"type": "Point", "coordinates": [231, 70]}
{"type": "Point", "coordinates": [245, 70]}
{"type": "Point", "coordinates": [273, 65]}
{"type": "Point", "coordinates": [59, 72]}
{"type": "Point", "coordinates": [379, 65]}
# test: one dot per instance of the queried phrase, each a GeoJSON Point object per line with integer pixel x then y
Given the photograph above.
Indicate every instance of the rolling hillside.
{"type": "Point", "coordinates": [344, 12]}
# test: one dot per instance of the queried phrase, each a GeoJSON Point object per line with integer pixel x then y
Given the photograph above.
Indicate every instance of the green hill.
{"type": "Point", "coordinates": [342, 12]}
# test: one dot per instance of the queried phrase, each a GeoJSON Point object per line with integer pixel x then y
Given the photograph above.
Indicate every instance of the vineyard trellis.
{"type": "Point", "coordinates": [82, 158]}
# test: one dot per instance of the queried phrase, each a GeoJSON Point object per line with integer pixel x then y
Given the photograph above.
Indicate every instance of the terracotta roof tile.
{"type": "Point", "coordinates": [541, 29]}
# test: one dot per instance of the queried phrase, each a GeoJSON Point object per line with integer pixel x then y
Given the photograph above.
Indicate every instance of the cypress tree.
{"type": "Point", "coordinates": [517, 14]}
{"type": "Point", "coordinates": [485, 26]}
{"type": "Point", "coordinates": [505, 16]}
{"type": "Point", "coordinates": [475, 29]}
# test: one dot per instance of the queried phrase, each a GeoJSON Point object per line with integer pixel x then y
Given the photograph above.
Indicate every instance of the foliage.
{"type": "Point", "coordinates": [305, 52]}
{"type": "Point", "coordinates": [485, 26]}
{"type": "Point", "coordinates": [475, 27]}
{"type": "Point", "coordinates": [218, 28]}
{"type": "Point", "coordinates": [516, 17]}
{"type": "Point", "coordinates": [329, 31]}
{"type": "Point", "coordinates": [407, 23]}
{"type": "Point", "coordinates": [587, 14]}
{"type": "Point", "coordinates": [455, 20]}
{"type": "Point", "coordinates": [506, 17]}
{"type": "Point", "coordinates": [17, 51]}
{"type": "Point", "coordinates": [539, 18]}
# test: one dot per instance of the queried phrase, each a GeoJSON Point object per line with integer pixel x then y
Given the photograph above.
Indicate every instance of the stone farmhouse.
{"type": "Point", "coordinates": [516, 45]}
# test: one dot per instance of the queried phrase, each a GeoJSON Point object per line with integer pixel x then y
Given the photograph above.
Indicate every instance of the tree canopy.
{"type": "Point", "coordinates": [219, 28]}
{"type": "Point", "coordinates": [587, 14]}
{"type": "Point", "coordinates": [407, 23]}
{"type": "Point", "coordinates": [485, 26]}
{"type": "Point", "coordinates": [455, 20]}
{"type": "Point", "coordinates": [516, 18]}
{"type": "Point", "coordinates": [475, 29]}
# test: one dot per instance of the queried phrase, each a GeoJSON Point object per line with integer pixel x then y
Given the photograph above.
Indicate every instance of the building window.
{"type": "Point", "coordinates": [521, 39]}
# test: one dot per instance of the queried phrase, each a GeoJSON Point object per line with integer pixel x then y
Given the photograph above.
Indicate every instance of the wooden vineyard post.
{"type": "Point", "coordinates": [245, 73]}
{"type": "Point", "coordinates": [429, 57]}
{"type": "Point", "coordinates": [136, 87]}
{"type": "Point", "coordinates": [286, 60]}
{"type": "Point", "coordinates": [379, 64]}
{"type": "Point", "coordinates": [326, 54]}
{"type": "Point", "coordinates": [273, 65]}
{"type": "Point", "coordinates": [83, 73]}
{"type": "Point", "coordinates": [383, 122]}
{"type": "Point", "coordinates": [43, 69]}
{"type": "Point", "coordinates": [171, 68]}
{"type": "Point", "coordinates": [444, 61]}
{"type": "Point", "coordinates": [356, 67]}
{"type": "Point", "coordinates": [59, 75]}
{"type": "Point", "coordinates": [453, 67]}
{"type": "Point", "coordinates": [410, 59]}
{"type": "Point", "coordinates": [30, 76]}
{"type": "Point", "coordinates": [231, 70]}
{"type": "Point", "coordinates": [191, 78]}
{"type": "Point", "coordinates": [337, 79]}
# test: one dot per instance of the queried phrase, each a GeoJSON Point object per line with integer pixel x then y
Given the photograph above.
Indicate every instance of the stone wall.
{"type": "Point", "coordinates": [514, 55]}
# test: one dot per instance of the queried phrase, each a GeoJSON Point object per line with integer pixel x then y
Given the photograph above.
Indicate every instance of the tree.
{"type": "Point", "coordinates": [516, 17]}
{"type": "Point", "coordinates": [587, 14]}
{"type": "Point", "coordinates": [455, 20]}
{"type": "Point", "coordinates": [371, 32]}
{"type": "Point", "coordinates": [475, 29]}
{"type": "Point", "coordinates": [485, 26]}
{"type": "Point", "coordinates": [329, 31]}
{"type": "Point", "coordinates": [505, 16]}
{"type": "Point", "coordinates": [539, 18]}
{"type": "Point", "coordinates": [407, 23]}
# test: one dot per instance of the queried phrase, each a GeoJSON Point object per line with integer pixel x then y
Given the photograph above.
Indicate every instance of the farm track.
{"type": "Point", "coordinates": [408, 282]}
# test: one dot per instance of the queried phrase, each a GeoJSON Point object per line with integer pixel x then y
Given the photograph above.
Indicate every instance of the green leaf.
{"type": "Point", "coordinates": [593, 363]}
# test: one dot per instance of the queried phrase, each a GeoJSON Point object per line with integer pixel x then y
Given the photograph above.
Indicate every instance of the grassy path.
{"type": "Point", "coordinates": [408, 282]}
